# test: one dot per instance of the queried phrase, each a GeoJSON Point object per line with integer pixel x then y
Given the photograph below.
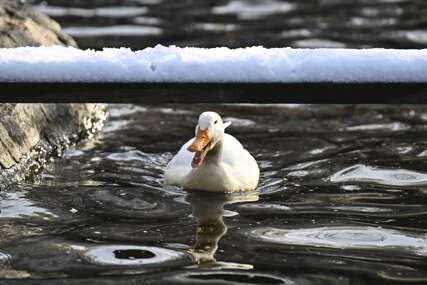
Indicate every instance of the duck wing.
{"type": "Point", "coordinates": [239, 162]}
{"type": "Point", "coordinates": [233, 152]}
{"type": "Point", "coordinates": [180, 165]}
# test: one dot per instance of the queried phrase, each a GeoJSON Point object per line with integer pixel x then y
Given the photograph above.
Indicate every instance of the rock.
{"type": "Point", "coordinates": [21, 25]}
{"type": "Point", "coordinates": [31, 134]}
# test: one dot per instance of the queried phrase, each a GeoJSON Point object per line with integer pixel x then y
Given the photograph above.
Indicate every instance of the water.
{"type": "Point", "coordinates": [240, 23]}
{"type": "Point", "coordinates": [342, 200]}
{"type": "Point", "coordinates": [343, 190]}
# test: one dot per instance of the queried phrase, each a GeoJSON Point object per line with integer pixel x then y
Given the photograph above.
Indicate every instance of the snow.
{"type": "Point", "coordinates": [174, 64]}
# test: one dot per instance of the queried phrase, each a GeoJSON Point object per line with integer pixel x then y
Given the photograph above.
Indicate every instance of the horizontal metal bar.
{"type": "Point", "coordinates": [214, 92]}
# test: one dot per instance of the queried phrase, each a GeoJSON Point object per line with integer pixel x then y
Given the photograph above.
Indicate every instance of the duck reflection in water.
{"type": "Point", "coordinates": [208, 209]}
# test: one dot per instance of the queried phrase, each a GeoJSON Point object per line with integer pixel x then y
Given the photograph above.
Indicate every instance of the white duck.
{"type": "Point", "coordinates": [213, 161]}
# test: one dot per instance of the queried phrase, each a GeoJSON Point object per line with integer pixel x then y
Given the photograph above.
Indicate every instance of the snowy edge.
{"type": "Point", "coordinates": [243, 65]}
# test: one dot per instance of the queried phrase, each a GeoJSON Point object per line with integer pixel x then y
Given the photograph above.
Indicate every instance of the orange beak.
{"type": "Point", "coordinates": [198, 146]}
{"type": "Point", "coordinates": [200, 142]}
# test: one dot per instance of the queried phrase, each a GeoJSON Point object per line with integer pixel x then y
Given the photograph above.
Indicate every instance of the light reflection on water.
{"type": "Point", "coordinates": [334, 205]}
{"type": "Point", "coordinates": [240, 23]}
{"type": "Point", "coordinates": [16, 205]}
{"type": "Point", "coordinates": [346, 238]}
{"type": "Point", "coordinates": [391, 177]}
{"type": "Point", "coordinates": [112, 31]}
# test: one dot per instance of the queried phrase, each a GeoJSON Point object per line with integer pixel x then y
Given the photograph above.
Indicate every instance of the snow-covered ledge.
{"type": "Point", "coordinates": [216, 65]}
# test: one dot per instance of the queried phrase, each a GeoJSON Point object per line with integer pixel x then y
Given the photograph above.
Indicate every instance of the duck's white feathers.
{"type": "Point", "coordinates": [235, 170]}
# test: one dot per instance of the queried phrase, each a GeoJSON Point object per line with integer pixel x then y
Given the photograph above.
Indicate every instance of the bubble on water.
{"type": "Point", "coordinates": [384, 176]}
{"type": "Point", "coordinates": [133, 255]}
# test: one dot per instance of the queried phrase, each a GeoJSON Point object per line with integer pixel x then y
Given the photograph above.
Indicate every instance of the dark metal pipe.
{"type": "Point", "coordinates": [214, 92]}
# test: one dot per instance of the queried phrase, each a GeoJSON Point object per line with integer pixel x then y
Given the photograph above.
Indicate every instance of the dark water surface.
{"type": "Point", "coordinates": [343, 191]}
{"type": "Point", "coordinates": [241, 23]}
{"type": "Point", "coordinates": [342, 200]}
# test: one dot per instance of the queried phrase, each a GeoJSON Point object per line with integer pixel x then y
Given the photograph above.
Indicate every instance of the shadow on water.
{"type": "Point", "coordinates": [341, 200]}
{"type": "Point", "coordinates": [209, 211]}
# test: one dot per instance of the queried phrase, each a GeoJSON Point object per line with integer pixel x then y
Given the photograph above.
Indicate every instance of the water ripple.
{"type": "Point", "coordinates": [229, 277]}
{"type": "Point", "coordinates": [359, 24]}
{"type": "Point", "coordinates": [119, 30]}
{"type": "Point", "coordinates": [112, 12]}
{"type": "Point", "coordinates": [16, 205]}
{"type": "Point", "coordinates": [124, 110]}
{"type": "Point", "coordinates": [55, 257]}
{"type": "Point", "coordinates": [146, 233]}
{"type": "Point", "coordinates": [254, 9]}
{"type": "Point", "coordinates": [132, 203]}
{"type": "Point", "coordinates": [323, 191]}
{"type": "Point", "coordinates": [383, 176]}
{"type": "Point", "coordinates": [343, 237]}
{"type": "Point", "coordinates": [396, 126]}
{"type": "Point", "coordinates": [319, 208]}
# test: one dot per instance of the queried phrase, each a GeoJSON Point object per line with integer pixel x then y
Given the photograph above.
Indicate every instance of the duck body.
{"type": "Point", "coordinates": [226, 166]}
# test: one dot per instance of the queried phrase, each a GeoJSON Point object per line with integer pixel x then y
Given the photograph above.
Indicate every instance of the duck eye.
{"type": "Point", "coordinates": [215, 122]}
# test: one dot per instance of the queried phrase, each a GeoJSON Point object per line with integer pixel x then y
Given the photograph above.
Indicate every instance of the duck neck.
{"type": "Point", "coordinates": [215, 155]}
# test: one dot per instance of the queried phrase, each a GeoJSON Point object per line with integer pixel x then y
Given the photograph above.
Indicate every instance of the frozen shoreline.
{"type": "Point", "coordinates": [174, 64]}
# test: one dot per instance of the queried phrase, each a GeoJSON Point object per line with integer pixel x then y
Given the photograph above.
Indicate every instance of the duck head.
{"type": "Point", "coordinates": [209, 131]}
